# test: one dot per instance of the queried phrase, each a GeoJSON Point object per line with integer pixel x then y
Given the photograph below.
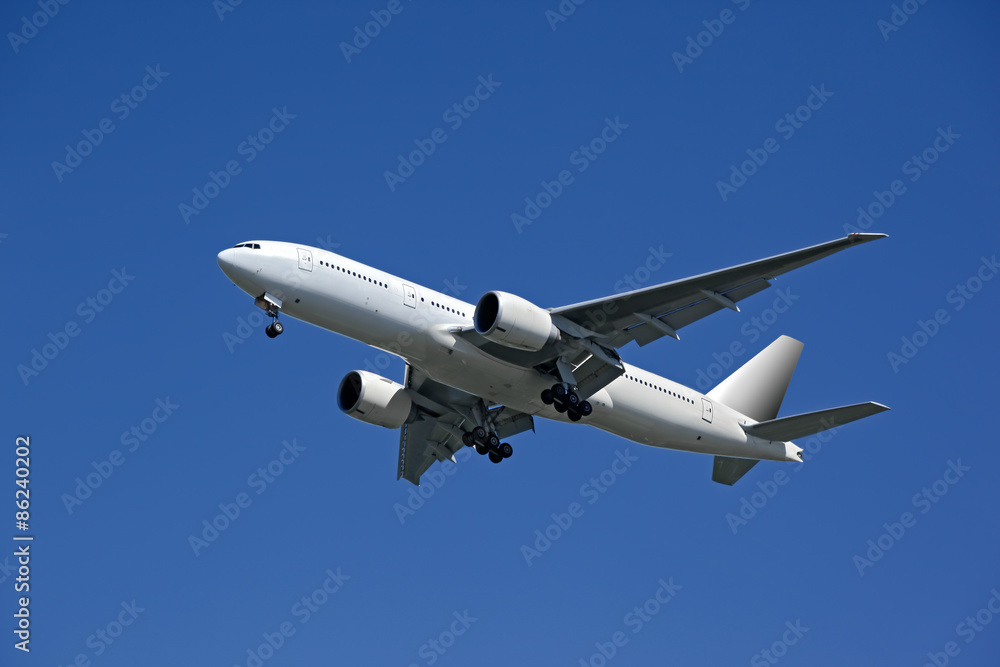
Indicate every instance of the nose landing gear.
{"type": "Point", "coordinates": [274, 329]}
{"type": "Point", "coordinates": [270, 304]}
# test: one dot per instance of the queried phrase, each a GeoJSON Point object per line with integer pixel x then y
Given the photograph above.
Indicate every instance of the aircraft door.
{"type": "Point", "coordinates": [409, 296]}
{"type": "Point", "coordinates": [706, 410]}
{"type": "Point", "coordinates": [305, 259]}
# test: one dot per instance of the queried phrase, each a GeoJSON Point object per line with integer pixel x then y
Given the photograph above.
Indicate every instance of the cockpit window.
{"type": "Point", "coordinates": [254, 246]}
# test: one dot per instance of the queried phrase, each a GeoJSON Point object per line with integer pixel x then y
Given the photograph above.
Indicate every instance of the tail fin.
{"type": "Point", "coordinates": [757, 388]}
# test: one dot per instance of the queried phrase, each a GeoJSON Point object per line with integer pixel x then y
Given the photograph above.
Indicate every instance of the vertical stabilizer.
{"type": "Point", "coordinates": [757, 388]}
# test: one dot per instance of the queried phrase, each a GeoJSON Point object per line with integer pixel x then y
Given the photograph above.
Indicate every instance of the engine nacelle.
{"type": "Point", "coordinates": [512, 321]}
{"type": "Point", "coordinates": [374, 399]}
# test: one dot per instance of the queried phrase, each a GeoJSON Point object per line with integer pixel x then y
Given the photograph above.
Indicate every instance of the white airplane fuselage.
{"type": "Point", "coordinates": [417, 323]}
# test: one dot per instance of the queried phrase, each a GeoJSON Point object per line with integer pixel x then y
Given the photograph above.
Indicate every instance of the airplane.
{"type": "Point", "coordinates": [476, 375]}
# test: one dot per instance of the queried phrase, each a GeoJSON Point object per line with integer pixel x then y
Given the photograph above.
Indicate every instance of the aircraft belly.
{"type": "Point", "coordinates": [467, 368]}
{"type": "Point", "coordinates": [622, 408]}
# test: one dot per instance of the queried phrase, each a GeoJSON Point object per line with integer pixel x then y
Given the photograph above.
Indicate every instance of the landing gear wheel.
{"type": "Point", "coordinates": [493, 442]}
{"type": "Point", "coordinates": [479, 433]}
{"type": "Point", "coordinates": [269, 330]}
{"type": "Point", "coordinates": [506, 450]}
{"type": "Point", "coordinates": [496, 457]}
{"type": "Point", "coordinates": [481, 449]}
{"type": "Point", "coordinates": [277, 327]}
{"type": "Point", "coordinates": [559, 391]}
{"type": "Point", "coordinates": [547, 396]}
{"type": "Point", "coordinates": [573, 399]}
{"type": "Point", "coordinates": [468, 440]}
{"type": "Point", "coordinates": [559, 406]}
{"type": "Point", "coordinates": [573, 415]}
{"type": "Point", "coordinates": [585, 408]}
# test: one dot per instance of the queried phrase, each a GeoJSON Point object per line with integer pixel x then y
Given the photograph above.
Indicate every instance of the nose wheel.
{"type": "Point", "coordinates": [565, 400]}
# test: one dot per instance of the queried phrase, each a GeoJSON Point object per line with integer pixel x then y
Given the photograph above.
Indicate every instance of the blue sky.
{"type": "Point", "coordinates": [165, 345]}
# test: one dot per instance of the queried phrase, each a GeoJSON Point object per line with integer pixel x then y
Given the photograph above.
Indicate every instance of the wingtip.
{"type": "Point", "coordinates": [859, 237]}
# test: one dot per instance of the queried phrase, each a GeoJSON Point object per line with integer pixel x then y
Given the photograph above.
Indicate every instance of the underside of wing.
{"type": "Point", "coordinates": [650, 313]}
{"type": "Point", "coordinates": [582, 353]}
{"type": "Point", "coordinates": [444, 414]}
{"type": "Point", "coordinates": [425, 441]}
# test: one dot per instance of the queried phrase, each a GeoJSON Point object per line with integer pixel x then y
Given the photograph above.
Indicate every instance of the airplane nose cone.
{"type": "Point", "coordinates": [226, 260]}
{"type": "Point", "coordinates": [243, 270]}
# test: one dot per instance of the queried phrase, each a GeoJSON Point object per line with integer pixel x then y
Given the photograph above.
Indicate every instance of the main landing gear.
{"type": "Point", "coordinates": [565, 400]}
{"type": "Point", "coordinates": [487, 443]}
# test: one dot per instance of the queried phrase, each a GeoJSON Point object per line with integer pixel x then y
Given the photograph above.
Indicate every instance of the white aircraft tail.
{"type": "Point", "coordinates": [758, 387]}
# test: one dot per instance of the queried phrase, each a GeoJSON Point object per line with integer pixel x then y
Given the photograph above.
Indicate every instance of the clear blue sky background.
{"type": "Point", "coordinates": [321, 181]}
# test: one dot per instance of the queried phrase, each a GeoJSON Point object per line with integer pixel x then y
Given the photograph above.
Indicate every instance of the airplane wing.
{"type": "Point", "coordinates": [644, 315]}
{"type": "Point", "coordinates": [593, 330]}
{"type": "Point", "coordinates": [422, 443]}
{"type": "Point", "coordinates": [445, 413]}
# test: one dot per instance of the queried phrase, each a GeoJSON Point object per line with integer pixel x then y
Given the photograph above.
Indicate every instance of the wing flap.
{"type": "Point", "coordinates": [437, 434]}
{"type": "Point", "coordinates": [421, 443]}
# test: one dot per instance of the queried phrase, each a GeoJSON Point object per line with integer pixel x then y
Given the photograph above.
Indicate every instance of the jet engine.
{"type": "Point", "coordinates": [374, 399]}
{"type": "Point", "coordinates": [512, 321]}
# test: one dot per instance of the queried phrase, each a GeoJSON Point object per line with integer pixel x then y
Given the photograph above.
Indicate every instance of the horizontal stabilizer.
{"type": "Point", "coordinates": [727, 470]}
{"type": "Point", "coordinates": [798, 426]}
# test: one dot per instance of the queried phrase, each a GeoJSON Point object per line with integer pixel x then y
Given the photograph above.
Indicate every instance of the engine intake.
{"type": "Point", "coordinates": [512, 321]}
{"type": "Point", "coordinates": [374, 399]}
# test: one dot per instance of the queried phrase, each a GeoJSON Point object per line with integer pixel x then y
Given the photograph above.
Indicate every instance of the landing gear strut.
{"type": "Point", "coordinates": [274, 329]}
{"type": "Point", "coordinates": [565, 400]}
{"type": "Point", "coordinates": [487, 443]}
